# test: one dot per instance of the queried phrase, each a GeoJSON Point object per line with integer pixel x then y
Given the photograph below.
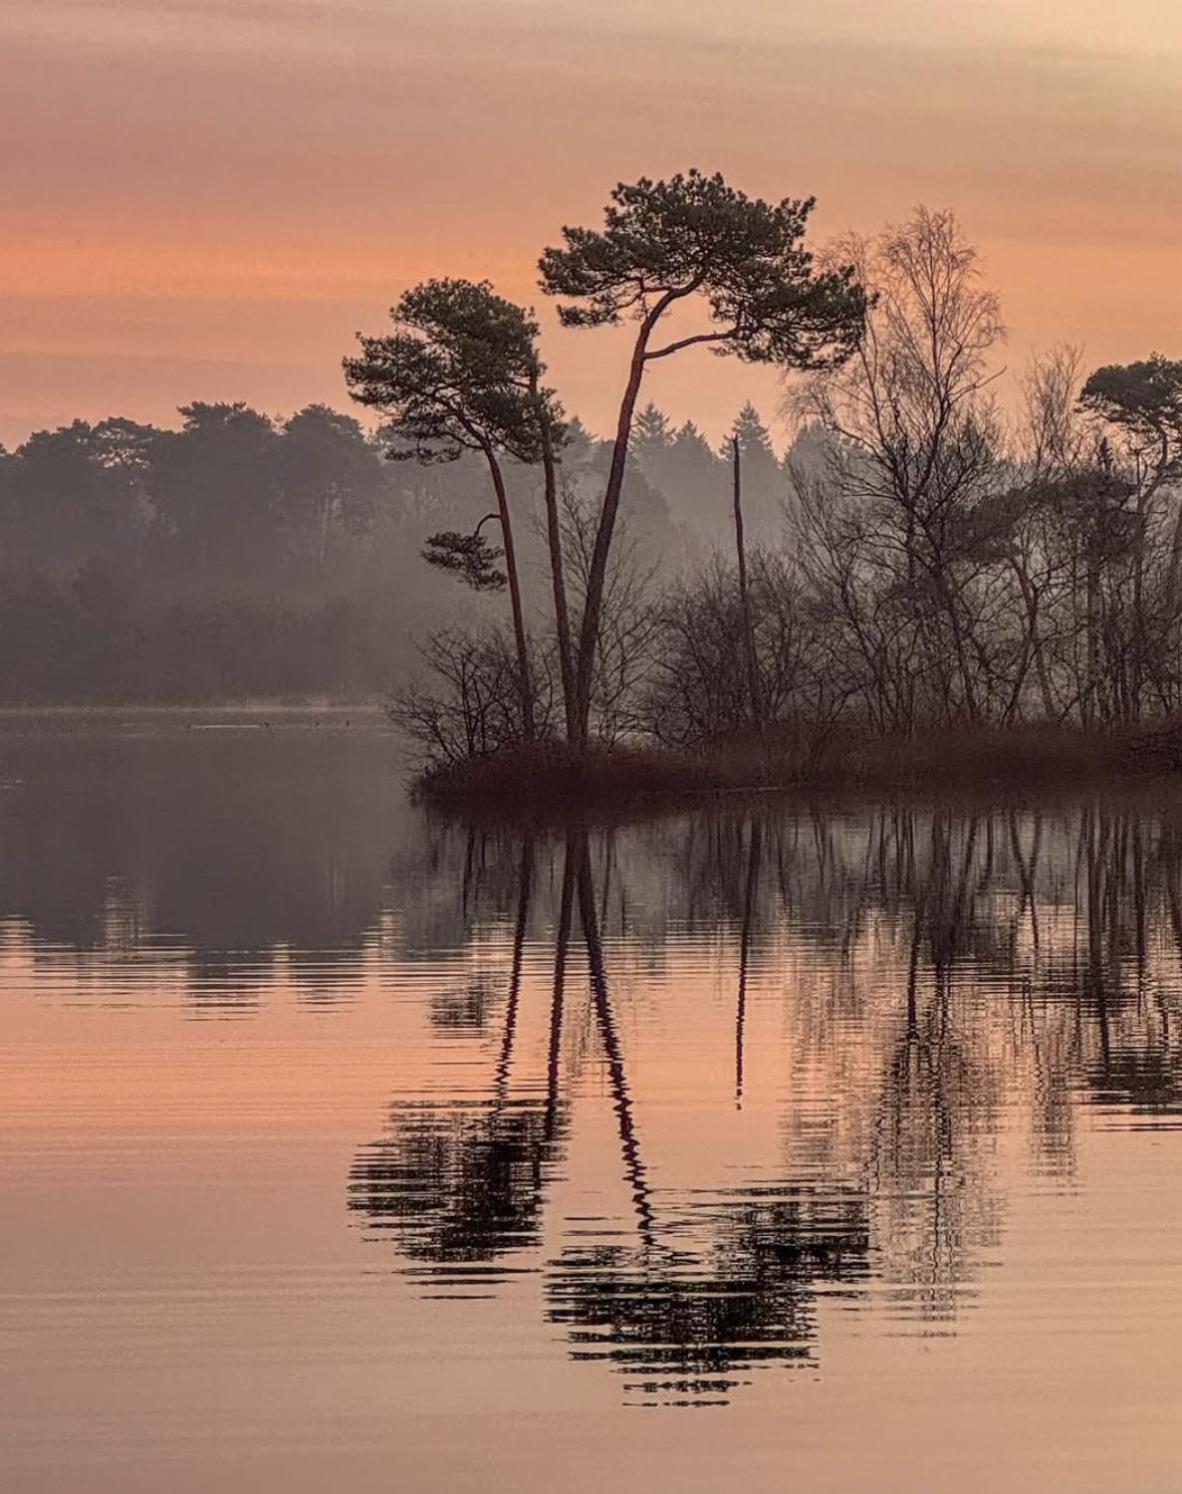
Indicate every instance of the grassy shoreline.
{"type": "Point", "coordinates": [550, 780]}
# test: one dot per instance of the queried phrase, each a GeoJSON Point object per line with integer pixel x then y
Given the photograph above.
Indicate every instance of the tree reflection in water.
{"type": "Point", "coordinates": [937, 967]}
{"type": "Point", "coordinates": [680, 1322]}
{"type": "Point", "coordinates": [892, 988]}
{"type": "Point", "coordinates": [462, 1185]}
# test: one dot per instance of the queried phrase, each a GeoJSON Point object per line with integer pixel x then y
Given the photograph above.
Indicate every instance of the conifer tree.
{"type": "Point", "coordinates": [652, 436]}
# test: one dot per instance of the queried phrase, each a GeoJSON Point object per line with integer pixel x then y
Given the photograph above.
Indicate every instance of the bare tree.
{"type": "Point", "coordinates": [916, 443]}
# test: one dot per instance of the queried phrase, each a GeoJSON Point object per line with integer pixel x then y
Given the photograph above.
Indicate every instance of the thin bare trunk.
{"type": "Point", "coordinates": [752, 661]}
{"type": "Point", "coordinates": [1092, 625]}
{"type": "Point", "coordinates": [524, 681]}
{"type": "Point", "coordinates": [597, 571]}
{"type": "Point", "coordinates": [1035, 641]}
{"type": "Point", "coordinates": [557, 574]}
{"type": "Point", "coordinates": [1174, 577]}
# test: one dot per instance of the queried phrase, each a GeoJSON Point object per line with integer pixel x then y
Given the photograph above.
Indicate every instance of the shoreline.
{"type": "Point", "coordinates": [550, 782]}
{"type": "Point", "coordinates": [275, 707]}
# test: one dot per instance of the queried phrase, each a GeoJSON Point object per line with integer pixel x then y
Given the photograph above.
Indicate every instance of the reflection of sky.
{"type": "Point", "coordinates": [210, 197]}
{"type": "Point", "coordinates": [988, 1269]}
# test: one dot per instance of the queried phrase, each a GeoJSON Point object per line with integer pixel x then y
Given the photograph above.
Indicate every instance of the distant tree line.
{"type": "Point", "coordinates": [229, 558]}
{"type": "Point", "coordinates": [243, 557]}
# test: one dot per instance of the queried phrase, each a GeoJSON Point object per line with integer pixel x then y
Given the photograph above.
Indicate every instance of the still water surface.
{"type": "Point", "coordinates": [831, 1146]}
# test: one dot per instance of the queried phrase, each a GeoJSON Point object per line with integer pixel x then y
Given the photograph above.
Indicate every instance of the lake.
{"type": "Point", "coordinates": [832, 1146]}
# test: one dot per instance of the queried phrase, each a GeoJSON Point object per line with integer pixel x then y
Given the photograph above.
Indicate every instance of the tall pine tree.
{"type": "Point", "coordinates": [764, 488]}
{"type": "Point", "coordinates": [697, 483]}
{"type": "Point", "coordinates": [652, 436]}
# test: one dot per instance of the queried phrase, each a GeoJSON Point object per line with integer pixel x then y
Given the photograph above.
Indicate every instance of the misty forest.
{"type": "Point", "coordinates": [945, 542]}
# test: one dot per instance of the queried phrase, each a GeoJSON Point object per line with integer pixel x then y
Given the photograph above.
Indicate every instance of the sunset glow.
{"type": "Point", "coordinates": [206, 199]}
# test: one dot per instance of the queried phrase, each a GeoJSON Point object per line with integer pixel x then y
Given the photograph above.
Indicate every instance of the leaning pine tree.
{"type": "Point", "coordinates": [460, 373]}
{"type": "Point", "coordinates": [741, 261]}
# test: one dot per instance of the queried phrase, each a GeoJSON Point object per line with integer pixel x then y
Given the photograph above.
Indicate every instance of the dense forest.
{"type": "Point", "coordinates": [241, 557]}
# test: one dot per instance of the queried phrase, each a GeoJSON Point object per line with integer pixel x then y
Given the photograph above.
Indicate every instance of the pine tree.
{"type": "Point", "coordinates": [652, 437]}
{"type": "Point", "coordinates": [739, 262]}
{"type": "Point", "coordinates": [697, 482]}
{"type": "Point", "coordinates": [763, 483]}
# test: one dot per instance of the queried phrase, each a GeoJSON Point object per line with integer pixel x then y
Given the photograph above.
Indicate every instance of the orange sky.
{"type": "Point", "coordinates": [206, 198]}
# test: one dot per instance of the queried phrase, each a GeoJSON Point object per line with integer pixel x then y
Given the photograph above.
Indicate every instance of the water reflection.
{"type": "Point", "coordinates": [149, 844]}
{"type": "Point", "coordinates": [686, 1325]}
{"type": "Point", "coordinates": [937, 971]}
{"type": "Point", "coordinates": [463, 1184]}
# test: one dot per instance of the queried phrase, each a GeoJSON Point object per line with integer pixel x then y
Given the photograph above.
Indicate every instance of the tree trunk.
{"type": "Point", "coordinates": [597, 572]}
{"type": "Point", "coordinates": [525, 683]}
{"type": "Point", "coordinates": [326, 506]}
{"type": "Point", "coordinates": [751, 659]}
{"type": "Point", "coordinates": [1092, 625]}
{"type": "Point", "coordinates": [634, 1167]}
{"type": "Point", "coordinates": [1035, 641]}
{"type": "Point", "coordinates": [1140, 632]}
{"type": "Point", "coordinates": [1174, 577]}
{"type": "Point", "coordinates": [557, 575]}
{"type": "Point", "coordinates": [962, 660]}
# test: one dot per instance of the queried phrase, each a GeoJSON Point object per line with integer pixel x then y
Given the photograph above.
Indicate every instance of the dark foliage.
{"type": "Point", "coordinates": [469, 556]}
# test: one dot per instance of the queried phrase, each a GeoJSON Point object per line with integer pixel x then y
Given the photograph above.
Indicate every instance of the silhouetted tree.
{"type": "Point", "coordinates": [216, 490]}
{"type": "Point", "coordinates": [448, 379]}
{"type": "Point", "coordinates": [67, 499]}
{"type": "Point", "coordinates": [652, 436]}
{"type": "Point", "coordinates": [1140, 405]}
{"type": "Point", "coordinates": [331, 484]}
{"type": "Point", "coordinates": [915, 450]}
{"type": "Point", "coordinates": [694, 237]}
{"type": "Point", "coordinates": [697, 479]}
